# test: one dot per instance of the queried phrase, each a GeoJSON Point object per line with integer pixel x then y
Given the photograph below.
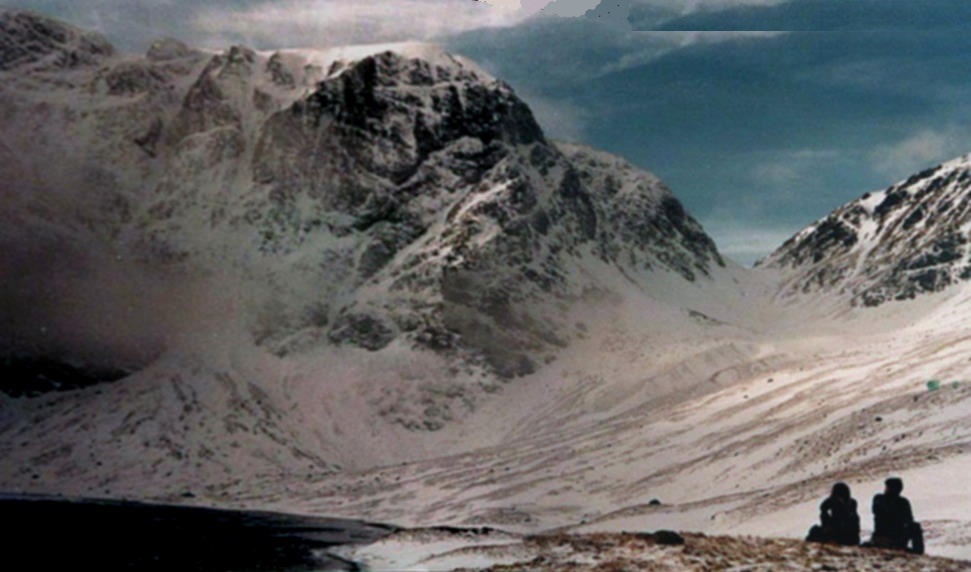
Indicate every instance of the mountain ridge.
{"type": "Point", "coordinates": [359, 160]}
{"type": "Point", "coordinates": [894, 244]}
{"type": "Point", "coordinates": [383, 227]}
{"type": "Point", "coordinates": [27, 38]}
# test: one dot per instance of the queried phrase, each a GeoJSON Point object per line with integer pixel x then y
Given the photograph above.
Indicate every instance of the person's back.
{"type": "Point", "coordinates": [839, 517]}
{"type": "Point", "coordinates": [893, 519]}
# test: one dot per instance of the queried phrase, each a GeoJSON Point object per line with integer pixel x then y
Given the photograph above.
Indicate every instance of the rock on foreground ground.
{"type": "Point", "coordinates": [442, 549]}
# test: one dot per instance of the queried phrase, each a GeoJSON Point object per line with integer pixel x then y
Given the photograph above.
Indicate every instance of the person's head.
{"type": "Point", "coordinates": [841, 490]}
{"type": "Point", "coordinates": [894, 486]}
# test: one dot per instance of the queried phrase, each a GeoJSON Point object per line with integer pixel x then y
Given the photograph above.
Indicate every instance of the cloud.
{"type": "Point", "coordinates": [689, 6]}
{"type": "Point", "coordinates": [579, 7]}
{"type": "Point", "coordinates": [653, 14]}
{"type": "Point", "coordinates": [918, 151]}
{"type": "Point", "coordinates": [130, 25]}
{"type": "Point", "coordinates": [646, 47]}
{"type": "Point", "coordinates": [559, 119]}
{"type": "Point", "coordinates": [318, 23]}
{"type": "Point", "coordinates": [566, 8]}
{"type": "Point", "coordinates": [637, 9]}
{"type": "Point", "coordinates": [507, 4]}
{"type": "Point", "coordinates": [812, 15]}
{"type": "Point", "coordinates": [551, 53]}
{"type": "Point", "coordinates": [776, 174]}
{"type": "Point", "coordinates": [268, 24]}
{"type": "Point", "coordinates": [789, 168]}
{"type": "Point", "coordinates": [744, 242]}
{"type": "Point", "coordinates": [69, 289]}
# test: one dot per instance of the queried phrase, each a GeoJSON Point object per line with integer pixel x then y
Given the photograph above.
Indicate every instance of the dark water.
{"type": "Point", "coordinates": [46, 534]}
{"type": "Point", "coordinates": [31, 377]}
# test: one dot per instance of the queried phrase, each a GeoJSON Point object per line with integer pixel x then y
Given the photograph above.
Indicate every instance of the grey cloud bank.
{"type": "Point", "coordinates": [266, 24]}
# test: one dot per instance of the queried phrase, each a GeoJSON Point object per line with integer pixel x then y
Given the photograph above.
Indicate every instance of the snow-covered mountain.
{"type": "Point", "coordinates": [402, 196]}
{"type": "Point", "coordinates": [894, 244]}
{"type": "Point", "coordinates": [30, 40]}
{"type": "Point", "coordinates": [301, 245]}
{"type": "Point", "coordinates": [362, 282]}
{"type": "Point", "coordinates": [402, 193]}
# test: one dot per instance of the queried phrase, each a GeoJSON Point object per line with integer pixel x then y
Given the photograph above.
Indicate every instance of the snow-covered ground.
{"type": "Point", "coordinates": [754, 452]}
{"type": "Point", "coordinates": [737, 418]}
{"type": "Point", "coordinates": [662, 375]}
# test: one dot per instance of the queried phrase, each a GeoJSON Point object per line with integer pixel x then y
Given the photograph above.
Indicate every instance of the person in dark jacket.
{"type": "Point", "coordinates": [840, 522]}
{"type": "Point", "coordinates": [893, 520]}
{"type": "Point", "coordinates": [839, 516]}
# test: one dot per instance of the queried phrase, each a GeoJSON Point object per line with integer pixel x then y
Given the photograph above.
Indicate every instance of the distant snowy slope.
{"type": "Point", "coordinates": [893, 244]}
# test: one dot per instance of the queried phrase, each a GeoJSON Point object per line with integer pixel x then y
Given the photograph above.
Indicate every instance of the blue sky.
{"type": "Point", "coordinates": [761, 115]}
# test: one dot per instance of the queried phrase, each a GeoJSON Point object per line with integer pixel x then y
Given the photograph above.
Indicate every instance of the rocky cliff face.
{"type": "Point", "coordinates": [398, 194]}
{"type": "Point", "coordinates": [377, 198]}
{"type": "Point", "coordinates": [888, 245]}
{"type": "Point", "coordinates": [31, 40]}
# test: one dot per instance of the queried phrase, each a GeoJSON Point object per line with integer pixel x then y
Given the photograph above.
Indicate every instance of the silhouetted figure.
{"type": "Point", "coordinates": [840, 522]}
{"type": "Point", "coordinates": [893, 520]}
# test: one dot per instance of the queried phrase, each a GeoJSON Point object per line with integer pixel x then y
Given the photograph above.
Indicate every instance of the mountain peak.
{"type": "Point", "coordinates": [165, 49]}
{"type": "Point", "coordinates": [367, 202]}
{"type": "Point", "coordinates": [337, 59]}
{"type": "Point", "coordinates": [30, 38]}
{"type": "Point", "coordinates": [893, 244]}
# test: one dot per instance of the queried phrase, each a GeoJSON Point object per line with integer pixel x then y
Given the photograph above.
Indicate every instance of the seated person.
{"type": "Point", "coordinates": [840, 522]}
{"type": "Point", "coordinates": [893, 520]}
